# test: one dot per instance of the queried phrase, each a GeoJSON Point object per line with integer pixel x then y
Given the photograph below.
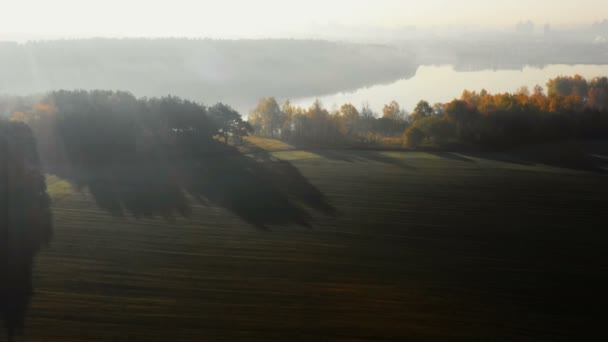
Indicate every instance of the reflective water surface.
{"type": "Point", "coordinates": [444, 83]}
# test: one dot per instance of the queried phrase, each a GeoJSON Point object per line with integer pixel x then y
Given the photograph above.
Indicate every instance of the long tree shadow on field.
{"type": "Point", "coordinates": [364, 156]}
{"type": "Point", "coordinates": [258, 188]}
{"type": "Point", "coordinates": [578, 155]}
{"type": "Point", "coordinates": [142, 186]}
{"type": "Point", "coordinates": [25, 222]}
{"type": "Point", "coordinates": [452, 156]}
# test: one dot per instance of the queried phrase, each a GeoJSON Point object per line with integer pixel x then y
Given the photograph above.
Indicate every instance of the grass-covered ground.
{"type": "Point", "coordinates": [254, 144]}
{"type": "Point", "coordinates": [372, 246]}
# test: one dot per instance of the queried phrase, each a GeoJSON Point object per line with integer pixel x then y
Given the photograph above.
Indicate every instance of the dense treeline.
{"type": "Point", "coordinates": [571, 108]}
{"type": "Point", "coordinates": [105, 125]}
{"type": "Point", "coordinates": [129, 152]}
{"type": "Point", "coordinates": [95, 127]}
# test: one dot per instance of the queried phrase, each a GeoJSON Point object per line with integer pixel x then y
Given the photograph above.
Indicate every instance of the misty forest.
{"type": "Point", "coordinates": [186, 189]}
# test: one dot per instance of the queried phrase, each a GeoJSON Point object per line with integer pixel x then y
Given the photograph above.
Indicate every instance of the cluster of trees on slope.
{"type": "Point", "coordinates": [105, 126]}
{"type": "Point", "coordinates": [572, 108]}
{"type": "Point", "coordinates": [232, 71]}
{"type": "Point", "coordinates": [152, 157]}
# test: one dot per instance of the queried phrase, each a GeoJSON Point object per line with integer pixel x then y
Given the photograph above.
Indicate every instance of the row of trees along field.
{"type": "Point", "coordinates": [107, 124]}
{"type": "Point", "coordinates": [571, 108]}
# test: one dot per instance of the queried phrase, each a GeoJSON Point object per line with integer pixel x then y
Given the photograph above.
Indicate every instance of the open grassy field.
{"type": "Point", "coordinates": [376, 246]}
{"type": "Point", "coordinates": [253, 144]}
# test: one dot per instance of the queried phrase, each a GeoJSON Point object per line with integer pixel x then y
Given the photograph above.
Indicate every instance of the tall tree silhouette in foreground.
{"type": "Point", "coordinates": [25, 221]}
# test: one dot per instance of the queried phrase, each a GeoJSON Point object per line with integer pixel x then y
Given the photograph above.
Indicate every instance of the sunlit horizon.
{"type": "Point", "coordinates": [35, 19]}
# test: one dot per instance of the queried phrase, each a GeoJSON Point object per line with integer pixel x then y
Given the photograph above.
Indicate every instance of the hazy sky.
{"type": "Point", "coordinates": [235, 18]}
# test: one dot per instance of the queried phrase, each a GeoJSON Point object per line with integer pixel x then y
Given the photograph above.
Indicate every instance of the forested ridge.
{"type": "Point", "coordinates": [234, 71]}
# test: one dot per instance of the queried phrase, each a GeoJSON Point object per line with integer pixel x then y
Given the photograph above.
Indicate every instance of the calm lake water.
{"type": "Point", "coordinates": [443, 84]}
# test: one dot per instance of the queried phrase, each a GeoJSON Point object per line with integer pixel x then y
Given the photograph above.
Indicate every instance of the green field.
{"type": "Point", "coordinates": [371, 246]}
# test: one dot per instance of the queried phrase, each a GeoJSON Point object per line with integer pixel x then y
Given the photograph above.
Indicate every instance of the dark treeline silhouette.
{"type": "Point", "coordinates": [572, 108]}
{"type": "Point", "coordinates": [25, 221]}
